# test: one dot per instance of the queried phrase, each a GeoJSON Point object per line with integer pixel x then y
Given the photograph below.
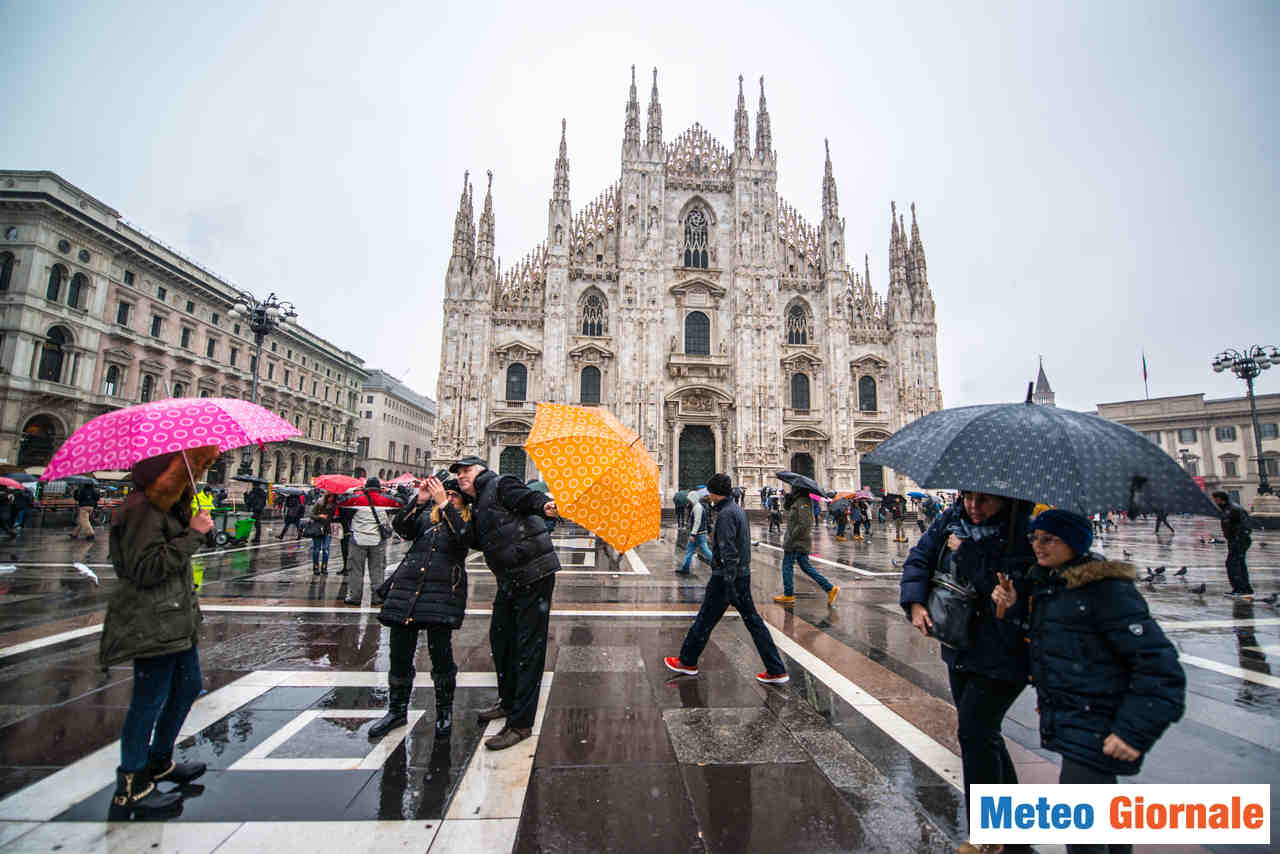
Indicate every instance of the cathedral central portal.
{"type": "Point", "coordinates": [697, 456]}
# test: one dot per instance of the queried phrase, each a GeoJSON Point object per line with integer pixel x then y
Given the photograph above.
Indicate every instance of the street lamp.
{"type": "Point", "coordinates": [262, 316]}
{"type": "Point", "coordinates": [1246, 365]}
{"type": "Point", "coordinates": [1188, 460]}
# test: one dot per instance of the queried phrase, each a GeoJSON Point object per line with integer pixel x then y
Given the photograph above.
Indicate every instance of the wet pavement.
{"type": "Point", "coordinates": [857, 753]}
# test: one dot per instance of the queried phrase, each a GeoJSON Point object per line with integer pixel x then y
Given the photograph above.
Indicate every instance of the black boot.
{"type": "Point", "coordinates": [137, 795]}
{"type": "Point", "coordinates": [400, 687]}
{"type": "Point", "coordinates": [324, 567]}
{"type": "Point", "coordinates": [315, 566]}
{"type": "Point", "coordinates": [445, 683]}
{"type": "Point", "coordinates": [163, 769]}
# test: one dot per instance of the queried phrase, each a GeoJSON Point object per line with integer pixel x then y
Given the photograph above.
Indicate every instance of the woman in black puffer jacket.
{"type": "Point", "coordinates": [427, 591]}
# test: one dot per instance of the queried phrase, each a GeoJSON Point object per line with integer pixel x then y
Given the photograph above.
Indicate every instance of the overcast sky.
{"type": "Point", "coordinates": [1092, 178]}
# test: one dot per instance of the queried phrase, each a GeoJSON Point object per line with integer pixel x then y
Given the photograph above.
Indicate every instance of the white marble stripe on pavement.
{"type": "Point", "coordinates": [837, 565]}
{"type": "Point", "coordinates": [1230, 670]}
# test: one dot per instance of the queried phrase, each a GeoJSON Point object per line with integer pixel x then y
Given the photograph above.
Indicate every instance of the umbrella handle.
{"type": "Point", "coordinates": [190, 477]}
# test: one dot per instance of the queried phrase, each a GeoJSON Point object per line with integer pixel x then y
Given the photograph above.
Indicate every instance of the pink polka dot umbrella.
{"type": "Point", "coordinates": [117, 440]}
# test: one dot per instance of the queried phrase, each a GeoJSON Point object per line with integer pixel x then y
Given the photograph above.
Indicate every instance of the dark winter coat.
{"type": "Point", "coordinates": [430, 585]}
{"type": "Point", "coordinates": [153, 610]}
{"type": "Point", "coordinates": [731, 542]}
{"type": "Point", "coordinates": [799, 536]}
{"type": "Point", "coordinates": [508, 525]}
{"type": "Point", "coordinates": [87, 495]}
{"type": "Point", "coordinates": [1100, 663]}
{"type": "Point", "coordinates": [255, 500]}
{"type": "Point", "coordinates": [996, 646]}
{"type": "Point", "coordinates": [1235, 523]}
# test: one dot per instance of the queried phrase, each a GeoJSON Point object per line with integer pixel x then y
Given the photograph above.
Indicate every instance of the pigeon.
{"type": "Point", "coordinates": [1199, 589]}
{"type": "Point", "coordinates": [1270, 599]}
{"type": "Point", "coordinates": [1125, 553]}
{"type": "Point", "coordinates": [1159, 570]}
{"type": "Point", "coordinates": [1182, 571]}
{"type": "Point", "coordinates": [895, 563]}
{"type": "Point", "coordinates": [85, 571]}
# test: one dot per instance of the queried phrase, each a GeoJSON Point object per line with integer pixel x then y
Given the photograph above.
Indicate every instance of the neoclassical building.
{"type": "Point", "coordinates": [701, 307]}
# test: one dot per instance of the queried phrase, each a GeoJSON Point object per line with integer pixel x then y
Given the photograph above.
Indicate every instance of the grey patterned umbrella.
{"type": "Point", "coordinates": [1071, 460]}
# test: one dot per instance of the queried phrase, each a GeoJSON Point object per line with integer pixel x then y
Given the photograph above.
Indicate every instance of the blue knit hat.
{"type": "Point", "coordinates": [1072, 528]}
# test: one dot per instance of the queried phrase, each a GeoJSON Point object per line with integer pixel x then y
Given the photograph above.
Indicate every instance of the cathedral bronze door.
{"type": "Point", "coordinates": [802, 464]}
{"type": "Point", "coordinates": [872, 477]}
{"type": "Point", "coordinates": [697, 456]}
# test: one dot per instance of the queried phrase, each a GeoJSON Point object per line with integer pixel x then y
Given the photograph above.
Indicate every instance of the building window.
{"type": "Point", "coordinates": [128, 277]}
{"type": "Point", "coordinates": [593, 310]}
{"type": "Point", "coordinates": [179, 390]}
{"type": "Point", "coordinates": [204, 392]}
{"type": "Point", "coordinates": [391, 450]}
{"type": "Point", "coordinates": [53, 354]}
{"type": "Point", "coordinates": [6, 269]}
{"type": "Point", "coordinates": [512, 461]}
{"type": "Point", "coordinates": [369, 399]}
{"type": "Point", "coordinates": [1268, 431]}
{"type": "Point", "coordinates": [404, 455]}
{"type": "Point", "coordinates": [517, 382]}
{"type": "Point", "coordinates": [235, 329]}
{"type": "Point", "coordinates": [797, 325]}
{"type": "Point", "coordinates": [695, 239]}
{"type": "Point", "coordinates": [800, 392]}
{"type": "Point", "coordinates": [1229, 468]}
{"type": "Point", "coordinates": [76, 292]}
{"type": "Point", "coordinates": [253, 364]}
{"type": "Point", "coordinates": [271, 370]}
{"type": "Point", "coordinates": [147, 389]}
{"type": "Point", "coordinates": [697, 334]}
{"type": "Point", "coordinates": [867, 394]}
{"type": "Point", "coordinates": [1271, 465]}
{"type": "Point", "coordinates": [213, 318]}
{"type": "Point", "coordinates": [157, 325]}
{"type": "Point", "coordinates": [161, 293]}
{"type": "Point", "coordinates": [185, 338]}
{"type": "Point", "coordinates": [1224, 434]}
{"type": "Point", "coordinates": [111, 381]}
{"type": "Point", "coordinates": [368, 413]}
{"type": "Point", "coordinates": [1192, 467]}
{"type": "Point", "coordinates": [286, 376]}
{"type": "Point", "coordinates": [273, 346]}
{"type": "Point", "coordinates": [191, 307]}
{"type": "Point", "coordinates": [57, 276]}
{"type": "Point", "coordinates": [590, 384]}
{"type": "Point", "coordinates": [1187, 435]}
{"type": "Point", "coordinates": [314, 385]}
{"type": "Point", "coordinates": [210, 347]}
{"type": "Point", "coordinates": [232, 356]}
{"type": "Point", "coordinates": [1153, 435]}
{"type": "Point", "coordinates": [122, 313]}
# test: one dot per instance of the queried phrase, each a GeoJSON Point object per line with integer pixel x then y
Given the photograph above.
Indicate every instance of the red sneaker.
{"type": "Point", "coordinates": [772, 678]}
{"type": "Point", "coordinates": [673, 663]}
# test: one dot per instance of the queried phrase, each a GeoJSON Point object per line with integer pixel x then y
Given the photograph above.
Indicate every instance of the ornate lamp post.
{"type": "Point", "coordinates": [263, 317]}
{"type": "Point", "coordinates": [1188, 460]}
{"type": "Point", "coordinates": [1247, 365]}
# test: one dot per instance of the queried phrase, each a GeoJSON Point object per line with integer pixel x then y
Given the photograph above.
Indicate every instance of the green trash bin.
{"type": "Point", "coordinates": [244, 528]}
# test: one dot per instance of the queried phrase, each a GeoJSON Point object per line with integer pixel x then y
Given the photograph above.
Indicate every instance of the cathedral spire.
{"type": "Point", "coordinates": [631, 130]}
{"type": "Point", "coordinates": [741, 131]}
{"type": "Point", "coordinates": [764, 136]}
{"type": "Point", "coordinates": [462, 228]}
{"type": "Point", "coordinates": [484, 243]}
{"type": "Point", "coordinates": [560, 187]}
{"type": "Point", "coordinates": [471, 227]}
{"type": "Point", "coordinates": [830, 204]}
{"type": "Point", "coordinates": [655, 115]}
{"type": "Point", "coordinates": [897, 252]}
{"type": "Point", "coordinates": [917, 272]}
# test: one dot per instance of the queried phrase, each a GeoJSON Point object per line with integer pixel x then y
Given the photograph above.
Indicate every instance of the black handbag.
{"type": "Point", "coordinates": [951, 604]}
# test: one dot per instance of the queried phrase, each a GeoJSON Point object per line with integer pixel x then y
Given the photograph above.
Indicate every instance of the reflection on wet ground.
{"type": "Point", "coordinates": [861, 758]}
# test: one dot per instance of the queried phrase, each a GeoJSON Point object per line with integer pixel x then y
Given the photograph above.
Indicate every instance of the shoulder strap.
{"type": "Point", "coordinates": [369, 498]}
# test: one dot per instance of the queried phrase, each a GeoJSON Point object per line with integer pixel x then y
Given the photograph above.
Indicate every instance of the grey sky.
{"type": "Point", "coordinates": [1091, 178]}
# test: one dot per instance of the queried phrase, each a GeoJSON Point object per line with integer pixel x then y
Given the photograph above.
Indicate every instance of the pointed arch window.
{"type": "Point", "coordinates": [867, 395]}
{"type": "Point", "coordinates": [695, 239]}
{"type": "Point", "coordinates": [512, 461]}
{"type": "Point", "coordinates": [697, 334]}
{"type": "Point", "coordinates": [517, 382]}
{"type": "Point", "coordinates": [148, 388]}
{"type": "Point", "coordinates": [594, 311]}
{"type": "Point", "coordinates": [800, 391]}
{"type": "Point", "coordinates": [797, 325]}
{"type": "Point", "coordinates": [111, 382]}
{"type": "Point", "coordinates": [53, 355]}
{"type": "Point", "coordinates": [76, 291]}
{"type": "Point", "coordinates": [57, 275]}
{"type": "Point", "coordinates": [590, 385]}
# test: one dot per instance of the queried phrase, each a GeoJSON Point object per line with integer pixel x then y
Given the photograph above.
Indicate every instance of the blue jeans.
{"type": "Point", "coordinates": [788, 578]}
{"type": "Point", "coordinates": [164, 687]}
{"type": "Point", "coordinates": [320, 548]}
{"type": "Point", "coordinates": [715, 601]}
{"type": "Point", "coordinates": [697, 543]}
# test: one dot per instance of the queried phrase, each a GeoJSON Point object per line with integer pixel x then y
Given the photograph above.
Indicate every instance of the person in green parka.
{"type": "Point", "coordinates": [795, 549]}
{"type": "Point", "coordinates": [153, 620]}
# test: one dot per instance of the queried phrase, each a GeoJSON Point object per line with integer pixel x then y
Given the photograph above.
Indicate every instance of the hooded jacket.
{"type": "Point", "coordinates": [1235, 523]}
{"type": "Point", "coordinates": [799, 536]}
{"type": "Point", "coordinates": [508, 525]}
{"type": "Point", "coordinates": [153, 610]}
{"type": "Point", "coordinates": [1100, 663]}
{"type": "Point", "coordinates": [731, 542]}
{"type": "Point", "coordinates": [430, 584]}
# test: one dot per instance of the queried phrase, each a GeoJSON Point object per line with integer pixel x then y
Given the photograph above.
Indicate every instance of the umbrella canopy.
{"type": "Point", "coordinates": [22, 477]}
{"type": "Point", "coordinates": [405, 479]}
{"type": "Point", "coordinates": [816, 497]}
{"type": "Point", "coordinates": [801, 483]}
{"type": "Point", "coordinates": [9, 483]}
{"type": "Point", "coordinates": [840, 505]}
{"type": "Point", "coordinates": [1073, 460]}
{"type": "Point", "coordinates": [118, 439]}
{"type": "Point", "coordinates": [336, 482]}
{"type": "Point", "coordinates": [841, 495]}
{"type": "Point", "coordinates": [916, 495]}
{"type": "Point", "coordinates": [248, 478]}
{"type": "Point", "coordinates": [864, 495]}
{"type": "Point", "coordinates": [601, 475]}
{"type": "Point", "coordinates": [540, 485]}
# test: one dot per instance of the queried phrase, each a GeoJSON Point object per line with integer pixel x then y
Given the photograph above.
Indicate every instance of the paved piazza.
{"type": "Point", "coordinates": [857, 753]}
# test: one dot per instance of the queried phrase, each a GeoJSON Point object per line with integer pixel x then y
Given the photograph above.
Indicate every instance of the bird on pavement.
{"type": "Point", "coordinates": [895, 563]}
{"type": "Point", "coordinates": [1159, 570]}
{"type": "Point", "coordinates": [1199, 589]}
{"type": "Point", "coordinates": [1270, 600]}
{"type": "Point", "coordinates": [1125, 553]}
{"type": "Point", "coordinates": [1182, 571]}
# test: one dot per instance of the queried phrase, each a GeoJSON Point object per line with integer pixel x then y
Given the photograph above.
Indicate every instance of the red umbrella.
{"type": "Point", "coordinates": [406, 479]}
{"type": "Point", "coordinates": [336, 482]}
{"type": "Point", "coordinates": [9, 483]}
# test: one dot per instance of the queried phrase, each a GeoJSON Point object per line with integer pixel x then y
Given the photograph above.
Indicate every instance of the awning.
{"type": "Point", "coordinates": [36, 470]}
{"type": "Point", "coordinates": [110, 475]}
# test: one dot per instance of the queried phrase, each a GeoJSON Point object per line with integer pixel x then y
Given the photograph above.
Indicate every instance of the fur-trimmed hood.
{"type": "Point", "coordinates": [1096, 568]}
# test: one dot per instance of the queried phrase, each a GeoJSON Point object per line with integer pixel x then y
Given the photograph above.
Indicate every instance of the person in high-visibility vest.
{"type": "Point", "coordinates": [203, 500]}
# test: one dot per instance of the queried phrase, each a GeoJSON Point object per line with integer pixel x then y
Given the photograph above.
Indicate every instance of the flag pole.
{"type": "Point", "coordinates": [1146, 385]}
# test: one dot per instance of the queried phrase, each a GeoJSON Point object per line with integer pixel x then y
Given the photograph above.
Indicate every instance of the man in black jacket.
{"type": "Point", "coordinates": [255, 501]}
{"type": "Point", "coordinates": [508, 524]}
{"type": "Point", "coordinates": [730, 583]}
{"type": "Point", "coordinates": [86, 501]}
{"type": "Point", "coordinates": [1235, 530]}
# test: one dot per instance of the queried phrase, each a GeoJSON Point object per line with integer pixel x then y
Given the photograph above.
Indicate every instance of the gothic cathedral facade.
{"type": "Point", "coordinates": [698, 305]}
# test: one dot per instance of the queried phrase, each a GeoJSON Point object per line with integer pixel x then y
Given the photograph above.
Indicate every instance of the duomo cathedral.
{"type": "Point", "coordinates": [707, 313]}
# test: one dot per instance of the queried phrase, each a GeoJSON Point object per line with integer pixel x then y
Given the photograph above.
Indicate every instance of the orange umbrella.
{"type": "Point", "coordinates": [600, 474]}
{"type": "Point", "coordinates": [840, 495]}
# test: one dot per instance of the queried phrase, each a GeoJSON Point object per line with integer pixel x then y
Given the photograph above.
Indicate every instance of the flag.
{"type": "Point", "coordinates": [1144, 366]}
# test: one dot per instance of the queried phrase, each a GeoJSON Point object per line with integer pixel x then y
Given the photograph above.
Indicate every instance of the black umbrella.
{"type": "Point", "coordinates": [1072, 460]}
{"type": "Point", "coordinates": [804, 483]}
{"type": "Point", "coordinates": [248, 478]}
{"type": "Point", "coordinates": [838, 507]}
